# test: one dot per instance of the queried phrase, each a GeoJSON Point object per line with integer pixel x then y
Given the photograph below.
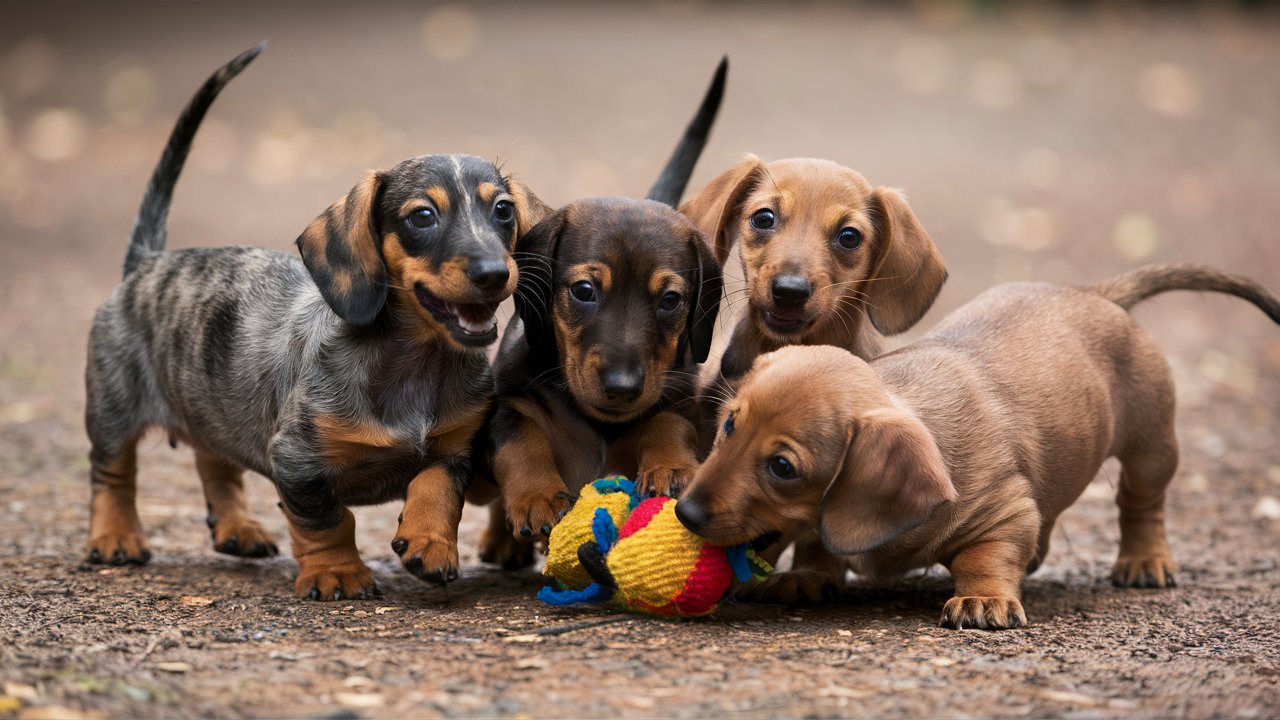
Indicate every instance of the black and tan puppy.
{"type": "Point", "coordinates": [616, 303]}
{"type": "Point", "coordinates": [962, 448]}
{"type": "Point", "coordinates": [358, 377]}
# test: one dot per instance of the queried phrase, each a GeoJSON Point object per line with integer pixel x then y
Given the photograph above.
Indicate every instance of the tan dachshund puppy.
{"type": "Point", "coordinates": [822, 252]}
{"type": "Point", "coordinates": [960, 449]}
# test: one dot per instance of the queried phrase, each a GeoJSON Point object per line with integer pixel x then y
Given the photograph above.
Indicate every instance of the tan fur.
{"type": "Point", "coordinates": [231, 523]}
{"type": "Point", "coordinates": [428, 526]}
{"type": "Point", "coordinates": [329, 564]}
{"type": "Point", "coordinates": [486, 191]}
{"type": "Point", "coordinates": [115, 530]}
{"type": "Point", "coordinates": [439, 196]}
{"type": "Point", "coordinates": [961, 449]}
{"type": "Point", "coordinates": [891, 279]}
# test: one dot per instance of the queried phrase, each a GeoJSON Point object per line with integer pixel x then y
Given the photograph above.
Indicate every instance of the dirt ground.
{"type": "Point", "coordinates": [1034, 142]}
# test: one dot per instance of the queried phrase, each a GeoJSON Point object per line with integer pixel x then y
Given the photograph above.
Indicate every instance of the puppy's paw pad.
{"type": "Point", "coordinates": [532, 517]}
{"type": "Point", "coordinates": [1157, 571]}
{"type": "Point", "coordinates": [118, 549]}
{"type": "Point", "coordinates": [347, 581]}
{"type": "Point", "coordinates": [499, 547]}
{"type": "Point", "coordinates": [243, 538]}
{"type": "Point", "coordinates": [791, 588]}
{"type": "Point", "coordinates": [985, 613]}
{"type": "Point", "coordinates": [434, 559]}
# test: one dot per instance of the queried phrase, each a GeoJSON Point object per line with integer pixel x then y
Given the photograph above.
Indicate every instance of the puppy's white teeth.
{"type": "Point", "coordinates": [477, 328]}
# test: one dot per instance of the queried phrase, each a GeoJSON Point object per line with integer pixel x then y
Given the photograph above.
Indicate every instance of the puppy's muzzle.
{"type": "Point", "coordinates": [692, 515]}
{"type": "Point", "coordinates": [488, 274]}
{"type": "Point", "coordinates": [789, 294]}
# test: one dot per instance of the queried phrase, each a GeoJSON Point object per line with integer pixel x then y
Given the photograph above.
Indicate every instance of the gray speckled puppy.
{"type": "Point", "coordinates": [356, 378]}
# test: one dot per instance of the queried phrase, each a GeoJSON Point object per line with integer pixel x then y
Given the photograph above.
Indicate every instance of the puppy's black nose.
{"type": "Point", "coordinates": [790, 291]}
{"type": "Point", "coordinates": [691, 514]}
{"type": "Point", "coordinates": [621, 384]}
{"type": "Point", "coordinates": [488, 273]}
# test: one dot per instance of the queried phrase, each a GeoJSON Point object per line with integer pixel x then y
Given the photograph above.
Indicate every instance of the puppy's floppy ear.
{"type": "Point", "coordinates": [908, 272]}
{"type": "Point", "coordinates": [342, 250]}
{"type": "Point", "coordinates": [705, 303]}
{"type": "Point", "coordinates": [529, 209]}
{"type": "Point", "coordinates": [892, 479]}
{"type": "Point", "coordinates": [535, 294]}
{"type": "Point", "coordinates": [715, 208]}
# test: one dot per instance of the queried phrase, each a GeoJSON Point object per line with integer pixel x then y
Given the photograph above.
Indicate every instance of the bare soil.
{"type": "Point", "coordinates": [1035, 144]}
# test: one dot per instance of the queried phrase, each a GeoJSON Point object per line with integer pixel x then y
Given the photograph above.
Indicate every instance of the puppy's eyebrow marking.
{"type": "Point", "coordinates": [486, 190]}
{"type": "Point", "coordinates": [662, 278]}
{"type": "Point", "coordinates": [440, 197]}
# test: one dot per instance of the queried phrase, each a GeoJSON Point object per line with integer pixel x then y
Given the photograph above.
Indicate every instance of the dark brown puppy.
{"type": "Point", "coordinates": [355, 376]}
{"type": "Point", "coordinates": [616, 303]}
{"type": "Point", "coordinates": [960, 449]}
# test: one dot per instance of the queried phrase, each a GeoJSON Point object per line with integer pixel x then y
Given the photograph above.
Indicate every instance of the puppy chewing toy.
{"type": "Point", "coordinates": [617, 546]}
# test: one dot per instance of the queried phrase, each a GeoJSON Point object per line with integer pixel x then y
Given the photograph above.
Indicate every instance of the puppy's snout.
{"type": "Point", "coordinates": [691, 514]}
{"type": "Point", "coordinates": [619, 384]}
{"type": "Point", "coordinates": [790, 291]}
{"type": "Point", "coordinates": [488, 273]}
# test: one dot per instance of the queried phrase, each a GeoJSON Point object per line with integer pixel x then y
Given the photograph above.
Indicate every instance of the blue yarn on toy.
{"type": "Point", "coordinates": [606, 535]}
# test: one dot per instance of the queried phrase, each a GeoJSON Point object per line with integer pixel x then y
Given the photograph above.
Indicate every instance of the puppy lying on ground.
{"type": "Point", "coordinates": [962, 448]}
{"type": "Point", "coordinates": [358, 378]}
{"type": "Point", "coordinates": [822, 252]}
{"type": "Point", "coordinates": [595, 375]}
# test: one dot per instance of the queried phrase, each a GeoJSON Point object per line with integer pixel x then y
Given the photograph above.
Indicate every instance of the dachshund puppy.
{"type": "Point", "coordinates": [356, 376]}
{"type": "Point", "coordinates": [822, 252]}
{"type": "Point", "coordinates": [615, 308]}
{"type": "Point", "coordinates": [962, 448]}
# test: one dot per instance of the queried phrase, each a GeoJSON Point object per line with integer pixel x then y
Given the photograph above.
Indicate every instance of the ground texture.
{"type": "Point", "coordinates": [1034, 143]}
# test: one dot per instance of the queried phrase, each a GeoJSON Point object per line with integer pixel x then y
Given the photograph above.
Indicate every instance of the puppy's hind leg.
{"type": "Point", "coordinates": [115, 530]}
{"type": "Point", "coordinates": [1145, 559]}
{"type": "Point", "coordinates": [231, 525]}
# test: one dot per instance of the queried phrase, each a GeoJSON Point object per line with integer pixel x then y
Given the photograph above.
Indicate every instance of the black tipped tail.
{"type": "Point", "coordinates": [148, 233]}
{"type": "Point", "coordinates": [1130, 288]}
{"type": "Point", "coordinates": [675, 176]}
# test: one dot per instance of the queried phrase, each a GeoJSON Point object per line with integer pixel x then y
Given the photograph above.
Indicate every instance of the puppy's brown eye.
{"type": "Point", "coordinates": [782, 468]}
{"type": "Point", "coordinates": [849, 238]}
{"type": "Point", "coordinates": [504, 212]}
{"type": "Point", "coordinates": [763, 220]}
{"type": "Point", "coordinates": [422, 218]}
{"type": "Point", "coordinates": [670, 301]}
{"type": "Point", "coordinates": [583, 291]}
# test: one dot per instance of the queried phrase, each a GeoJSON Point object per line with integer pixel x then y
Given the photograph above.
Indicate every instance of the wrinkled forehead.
{"type": "Point", "coordinates": [635, 237]}
{"type": "Point", "coordinates": [445, 179]}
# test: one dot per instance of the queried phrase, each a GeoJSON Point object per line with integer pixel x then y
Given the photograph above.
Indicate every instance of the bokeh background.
{"type": "Point", "coordinates": [1063, 142]}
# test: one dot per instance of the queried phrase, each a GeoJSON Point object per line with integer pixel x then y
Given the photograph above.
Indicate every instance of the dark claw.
{"type": "Point", "coordinates": [563, 495]}
{"type": "Point", "coordinates": [546, 530]}
{"type": "Point", "coordinates": [440, 576]}
{"type": "Point", "coordinates": [260, 549]}
{"type": "Point", "coordinates": [210, 520]}
{"type": "Point", "coordinates": [95, 556]}
{"type": "Point", "coordinates": [560, 515]}
{"type": "Point", "coordinates": [1170, 580]}
{"type": "Point", "coordinates": [231, 545]}
{"type": "Point", "coordinates": [337, 594]}
{"type": "Point", "coordinates": [452, 575]}
{"type": "Point", "coordinates": [375, 591]}
{"type": "Point", "coordinates": [119, 558]}
{"type": "Point", "coordinates": [400, 519]}
{"type": "Point", "coordinates": [399, 545]}
{"type": "Point", "coordinates": [314, 594]}
{"type": "Point", "coordinates": [143, 557]}
{"type": "Point", "coordinates": [830, 593]}
{"type": "Point", "coordinates": [414, 565]}
{"type": "Point", "coordinates": [526, 532]}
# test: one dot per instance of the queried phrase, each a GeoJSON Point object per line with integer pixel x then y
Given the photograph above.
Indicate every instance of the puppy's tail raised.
{"type": "Point", "coordinates": [148, 233]}
{"type": "Point", "coordinates": [670, 185]}
{"type": "Point", "coordinates": [1130, 288]}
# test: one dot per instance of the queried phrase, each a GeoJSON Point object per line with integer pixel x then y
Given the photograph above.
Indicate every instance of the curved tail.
{"type": "Point", "coordinates": [1130, 288]}
{"type": "Point", "coordinates": [148, 233]}
{"type": "Point", "coordinates": [675, 176]}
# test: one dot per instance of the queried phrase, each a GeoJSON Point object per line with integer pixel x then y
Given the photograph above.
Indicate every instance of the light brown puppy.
{"type": "Point", "coordinates": [822, 253]}
{"type": "Point", "coordinates": [960, 449]}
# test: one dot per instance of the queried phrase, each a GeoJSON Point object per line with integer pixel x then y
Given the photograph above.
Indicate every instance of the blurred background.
{"type": "Point", "coordinates": [1047, 141]}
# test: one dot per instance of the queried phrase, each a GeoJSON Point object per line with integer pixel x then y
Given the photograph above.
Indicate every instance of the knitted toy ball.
{"type": "Point", "coordinates": [614, 546]}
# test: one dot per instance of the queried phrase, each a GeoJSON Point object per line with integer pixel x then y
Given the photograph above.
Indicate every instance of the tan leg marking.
{"type": "Point", "coordinates": [427, 539]}
{"type": "Point", "coordinates": [329, 565]}
{"type": "Point", "coordinates": [233, 528]}
{"type": "Point", "coordinates": [115, 531]}
{"type": "Point", "coordinates": [667, 454]}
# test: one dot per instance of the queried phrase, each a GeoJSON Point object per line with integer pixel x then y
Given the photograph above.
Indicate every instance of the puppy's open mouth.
{"type": "Point", "coordinates": [474, 324]}
{"type": "Point", "coordinates": [786, 322]}
{"type": "Point", "coordinates": [761, 543]}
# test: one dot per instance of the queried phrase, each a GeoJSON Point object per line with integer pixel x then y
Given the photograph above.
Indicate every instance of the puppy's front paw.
{"type": "Point", "coordinates": [1156, 571]}
{"type": "Point", "coordinates": [118, 548]}
{"type": "Point", "coordinates": [351, 580]}
{"type": "Point", "coordinates": [987, 613]}
{"type": "Point", "coordinates": [665, 479]}
{"type": "Point", "coordinates": [430, 558]}
{"type": "Point", "coordinates": [498, 547]}
{"type": "Point", "coordinates": [791, 588]}
{"type": "Point", "coordinates": [242, 537]}
{"type": "Point", "coordinates": [531, 515]}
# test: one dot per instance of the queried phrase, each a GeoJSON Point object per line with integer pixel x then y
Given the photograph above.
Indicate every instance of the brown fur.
{"type": "Point", "coordinates": [961, 449]}
{"type": "Point", "coordinates": [891, 278]}
{"type": "Point", "coordinates": [329, 565]}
